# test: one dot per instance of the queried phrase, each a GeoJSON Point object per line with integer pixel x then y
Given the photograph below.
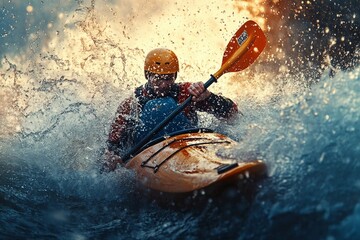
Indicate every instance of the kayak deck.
{"type": "Point", "coordinates": [190, 161]}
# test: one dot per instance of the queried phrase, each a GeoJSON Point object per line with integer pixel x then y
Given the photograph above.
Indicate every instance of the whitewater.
{"type": "Point", "coordinates": [51, 186]}
{"type": "Point", "coordinates": [57, 106]}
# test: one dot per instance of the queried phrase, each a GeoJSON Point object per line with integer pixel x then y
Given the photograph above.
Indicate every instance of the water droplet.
{"type": "Point", "coordinates": [29, 9]}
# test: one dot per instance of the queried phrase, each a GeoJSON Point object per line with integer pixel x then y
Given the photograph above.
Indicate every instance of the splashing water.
{"type": "Point", "coordinates": [59, 94]}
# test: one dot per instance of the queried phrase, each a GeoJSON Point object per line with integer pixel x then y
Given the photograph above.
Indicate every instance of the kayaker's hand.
{"type": "Point", "coordinates": [110, 161]}
{"type": "Point", "coordinates": [199, 92]}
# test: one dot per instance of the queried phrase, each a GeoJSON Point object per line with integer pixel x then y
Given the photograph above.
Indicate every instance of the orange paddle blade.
{"type": "Point", "coordinates": [249, 36]}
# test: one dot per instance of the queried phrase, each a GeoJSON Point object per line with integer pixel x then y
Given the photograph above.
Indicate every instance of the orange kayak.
{"type": "Point", "coordinates": [191, 161]}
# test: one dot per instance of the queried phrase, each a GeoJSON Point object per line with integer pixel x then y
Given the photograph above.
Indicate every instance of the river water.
{"type": "Point", "coordinates": [61, 82]}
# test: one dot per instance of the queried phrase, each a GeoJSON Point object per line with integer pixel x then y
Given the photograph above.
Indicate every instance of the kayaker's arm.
{"type": "Point", "coordinates": [119, 137]}
{"type": "Point", "coordinates": [120, 130]}
{"type": "Point", "coordinates": [110, 161]}
{"type": "Point", "coordinates": [219, 106]}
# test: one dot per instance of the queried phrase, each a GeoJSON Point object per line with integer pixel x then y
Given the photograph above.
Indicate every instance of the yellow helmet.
{"type": "Point", "coordinates": [161, 61]}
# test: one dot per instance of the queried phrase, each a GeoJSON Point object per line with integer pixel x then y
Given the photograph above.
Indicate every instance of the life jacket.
{"type": "Point", "coordinates": [156, 110]}
{"type": "Point", "coordinates": [125, 126]}
{"type": "Point", "coordinates": [179, 92]}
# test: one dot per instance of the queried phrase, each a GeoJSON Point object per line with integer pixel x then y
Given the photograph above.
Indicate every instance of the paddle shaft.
{"type": "Point", "coordinates": [125, 158]}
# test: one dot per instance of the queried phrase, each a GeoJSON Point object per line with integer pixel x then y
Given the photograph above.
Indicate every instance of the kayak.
{"type": "Point", "coordinates": [190, 161]}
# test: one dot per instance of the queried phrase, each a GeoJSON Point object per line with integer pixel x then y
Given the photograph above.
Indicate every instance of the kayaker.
{"type": "Point", "coordinates": [156, 99]}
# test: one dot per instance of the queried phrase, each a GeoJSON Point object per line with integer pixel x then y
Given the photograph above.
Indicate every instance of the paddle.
{"type": "Point", "coordinates": [242, 50]}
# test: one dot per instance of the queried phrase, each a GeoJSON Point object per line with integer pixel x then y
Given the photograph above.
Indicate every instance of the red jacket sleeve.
{"type": "Point", "coordinates": [120, 129]}
{"type": "Point", "coordinates": [219, 106]}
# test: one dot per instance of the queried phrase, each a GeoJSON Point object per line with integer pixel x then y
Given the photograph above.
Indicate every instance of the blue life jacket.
{"type": "Point", "coordinates": [156, 110]}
